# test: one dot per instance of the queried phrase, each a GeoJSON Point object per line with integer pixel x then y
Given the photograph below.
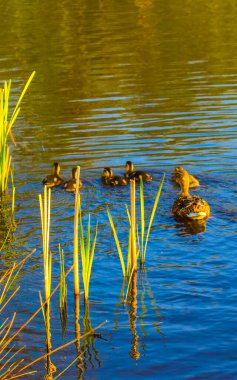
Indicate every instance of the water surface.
{"type": "Point", "coordinates": [153, 82]}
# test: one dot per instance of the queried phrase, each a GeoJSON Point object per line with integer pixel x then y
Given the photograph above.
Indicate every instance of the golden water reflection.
{"type": "Point", "coordinates": [118, 77]}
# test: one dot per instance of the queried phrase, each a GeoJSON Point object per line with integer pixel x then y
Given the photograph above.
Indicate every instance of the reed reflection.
{"type": "Point", "coordinates": [88, 355]}
{"type": "Point", "coordinates": [146, 289]}
{"type": "Point", "coordinates": [134, 353]}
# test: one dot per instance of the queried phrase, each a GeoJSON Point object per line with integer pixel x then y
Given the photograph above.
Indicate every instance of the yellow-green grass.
{"type": "Point", "coordinates": [87, 248]}
{"type": "Point", "coordinates": [6, 124]}
{"type": "Point", "coordinates": [145, 229]}
{"type": "Point", "coordinates": [138, 236]}
{"type": "Point", "coordinates": [45, 208]}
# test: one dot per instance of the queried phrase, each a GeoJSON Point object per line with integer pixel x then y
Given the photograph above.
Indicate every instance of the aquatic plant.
{"type": "Point", "coordinates": [7, 218]}
{"type": "Point", "coordinates": [132, 219]}
{"type": "Point", "coordinates": [6, 125]}
{"type": "Point", "coordinates": [45, 208]}
{"type": "Point", "coordinates": [75, 237]}
{"type": "Point", "coordinates": [10, 362]}
{"type": "Point", "coordinates": [132, 252]}
{"type": "Point", "coordinates": [143, 236]}
{"type": "Point", "coordinates": [138, 237]}
{"type": "Point", "coordinates": [87, 248]}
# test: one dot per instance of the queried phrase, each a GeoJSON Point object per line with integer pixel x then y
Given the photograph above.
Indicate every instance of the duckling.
{"type": "Point", "coordinates": [136, 174]}
{"type": "Point", "coordinates": [178, 171]}
{"type": "Point", "coordinates": [70, 185]}
{"type": "Point", "coordinates": [189, 207]}
{"type": "Point", "coordinates": [108, 178]}
{"type": "Point", "coordinates": [54, 179]}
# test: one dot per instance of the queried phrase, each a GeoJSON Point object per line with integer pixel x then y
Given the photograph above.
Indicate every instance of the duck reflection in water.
{"type": "Point", "coordinates": [191, 227]}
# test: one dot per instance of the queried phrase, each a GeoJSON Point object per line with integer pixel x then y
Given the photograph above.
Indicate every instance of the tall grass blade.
{"type": "Point", "coordinates": [6, 130]}
{"type": "Point", "coordinates": [87, 254]}
{"type": "Point", "coordinates": [152, 218]}
{"type": "Point", "coordinates": [22, 94]}
{"type": "Point", "coordinates": [117, 242]}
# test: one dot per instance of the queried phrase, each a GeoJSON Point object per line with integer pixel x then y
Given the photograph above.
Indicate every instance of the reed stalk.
{"type": "Point", "coordinates": [138, 237]}
{"type": "Point", "coordinates": [45, 208]}
{"type": "Point", "coordinates": [11, 365]}
{"type": "Point", "coordinates": [145, 232]}
{"type": "Point", "coordinates": [6, 124]}
{"type": "Point", "coordinates": [75, 239]}
{"type": "Point", "coordinates": [87, 248]}
{"type": "Point", "coordinates": [63, 284]}
{"type": "Point", "coordinates": [120, 253]}
{"type": "Point", "coordinates": [133, 225]}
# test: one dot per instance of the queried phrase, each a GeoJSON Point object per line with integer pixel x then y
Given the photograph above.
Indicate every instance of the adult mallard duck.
{"type": "Point", "coordinates": [136, 174]}
{"type": "Point", "coordinates": [70, 185]}
{"type": "Point", "coordinates": [54, 179]}
{"type": "Point", "coordinates": [189, 207]}
{"type": "Point", "coordinates": [179, 171]}
{"type": "Point", "coordinates": [108, 178]}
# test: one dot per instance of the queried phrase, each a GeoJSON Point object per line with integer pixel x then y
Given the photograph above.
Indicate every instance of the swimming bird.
{"type": "Point", "coordinates": [70, 185]}
{"type": "Point", "coordinates": [189, 207]}
{"type": "Point", "coordinates": [108, 178]}
{"type": "Point", "coordinates": [136, 174]}
{"type": "Point", "coordinates": [178, 172]}
{"type": "Point", "coordinates": [54, 179]}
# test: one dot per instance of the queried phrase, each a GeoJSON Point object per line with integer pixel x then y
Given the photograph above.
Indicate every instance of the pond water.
{"type": "Point", "coordinates": [153, 82]}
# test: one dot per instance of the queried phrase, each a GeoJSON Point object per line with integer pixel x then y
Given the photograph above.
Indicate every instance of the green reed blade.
{"type": "Point", "coordinates": [22, 94]}
{"type": "Point", "coordinates": [129, 253]}
{"type": "Point", "coordinates": [117, 242]}
{"type": "Point", "coordinates": [128, 214]}
{"type": "Point", "coordinates": [12, 121]}
{"type": "Point", "coordinates": [42, 308]}
{"type": "Point", "coordinates": [87, 255]}
{"type": "Point", "coordinates": [63, 284]}
{"type": "Point", "coordinates": [92, 252]}
{"type": "Point", "coordinates": [152, 216]}
{"type": "Point", "coordinates": [88, 243]}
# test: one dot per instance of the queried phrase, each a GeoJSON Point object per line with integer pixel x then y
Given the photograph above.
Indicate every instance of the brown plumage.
{"type": "Point", "coordinates": [70, 185]}
{"type": "Point", "coordinates": [108, 178]}
{"type": "Point", "coordinates": [54, 179]}
{"type": "Point", "coordinates": [136, 174]}
{"type": "Point", "coordinates": [179, 171]}
{"type": "Point", "coordinates": [189, 207]}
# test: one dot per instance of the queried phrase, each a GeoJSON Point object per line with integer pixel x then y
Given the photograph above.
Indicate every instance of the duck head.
{"type": "Point", "coordinates": [56, 168]}
{"type": "Point", "coordinates": [74, 173]}
{"type": "Point", "coordinates": [129, 166]}
{"type": "Point", "coordinates": [107, 173]}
